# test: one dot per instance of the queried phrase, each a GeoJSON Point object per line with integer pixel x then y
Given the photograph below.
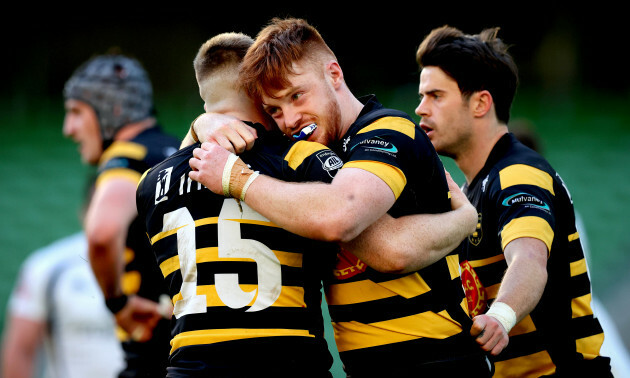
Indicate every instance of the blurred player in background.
{"type": "Point", "coordinates": [526, 251]}
{"type": "Point", "coordinates": [110, 115]}
{"type": "Point", "coordinates": [417, 319]}
{"type": "Point", "coordinates": [57, 305]}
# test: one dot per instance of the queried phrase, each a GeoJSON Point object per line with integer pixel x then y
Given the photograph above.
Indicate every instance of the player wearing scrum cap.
{"type": "Point", "coordinates": [110, 115]}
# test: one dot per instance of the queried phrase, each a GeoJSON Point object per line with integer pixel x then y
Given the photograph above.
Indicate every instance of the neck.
{"type": "Point", "coordinates": [473, 158]}
{"type": "Point", "coordinates": [240, 107]}
{"type": "Point", "coordinates": [130, 131]}
{"type": "Point", "coordinates": [350, 109]}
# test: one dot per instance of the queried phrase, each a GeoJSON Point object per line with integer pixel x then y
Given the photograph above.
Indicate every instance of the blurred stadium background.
{"type": "Point", "coordinates": [574, 90]}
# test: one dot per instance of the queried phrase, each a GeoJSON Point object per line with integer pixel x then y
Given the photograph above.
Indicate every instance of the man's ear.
{"type": "Point", "coordinates": [334, 72]}
{"type": "Point", "coordinates": [481, 103]}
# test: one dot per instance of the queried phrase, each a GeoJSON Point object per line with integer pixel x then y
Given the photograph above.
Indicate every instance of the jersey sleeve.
{"type": "Point", "coordinates": [310, 161]}
{"type": "Point", "coordinates": [523, 197]}
{"type": "Point", "coordinates": [122, 160]}
{"type": "Point", "coordinates": [385, 148]}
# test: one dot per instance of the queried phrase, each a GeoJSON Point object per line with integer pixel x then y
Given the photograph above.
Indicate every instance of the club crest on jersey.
{"type": "Point", "coordinates": [331, 163]}
{"type": "Point", "coordinates": [475, 291]}
{"type": "Point", "coordinates": [475, 237]}
{"type": "Point", "coordinates": [162, 184]}
{"type": "Point", "coordinates": [348, 265]}
{"type": "Point", "coordinates": [525, 199]}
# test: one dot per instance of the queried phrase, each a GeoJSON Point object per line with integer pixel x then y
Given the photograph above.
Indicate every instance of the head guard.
{"type": "Point", "coordinates": [116, 87]}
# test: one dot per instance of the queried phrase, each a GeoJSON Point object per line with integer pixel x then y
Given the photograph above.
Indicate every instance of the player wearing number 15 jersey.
{"type": "Point", "coordinates": [246, 294]}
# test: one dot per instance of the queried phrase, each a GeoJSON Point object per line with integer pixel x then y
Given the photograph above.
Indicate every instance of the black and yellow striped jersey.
{"type": "Point", "coordinates": [417, 318]}
{"type": "Point", "coordinates": [128, 159]}
{"type": "Point", "coordinates": [518, 194]}
{"type": "Point", "coordinates": [246, 293]}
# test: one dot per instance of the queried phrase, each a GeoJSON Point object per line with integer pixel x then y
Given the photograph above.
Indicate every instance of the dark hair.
{"type": "Point", "coordinates": [476, 62]}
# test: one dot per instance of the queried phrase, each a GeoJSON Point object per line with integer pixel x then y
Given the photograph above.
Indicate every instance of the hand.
{"type": "Point", "coordinates": [139, 317]}
{"type": "Point", "coordinates": [207, 164]}
{"type": "Point", "coordinates": [460, 201]}
{"type": "Point", "coordinates": [489, 334]}
{"type": "Point", "coordinates": [226, 131]}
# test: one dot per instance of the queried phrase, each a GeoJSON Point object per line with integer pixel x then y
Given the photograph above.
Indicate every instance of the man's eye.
{"type": "Point", "coordinates": [296, 96]}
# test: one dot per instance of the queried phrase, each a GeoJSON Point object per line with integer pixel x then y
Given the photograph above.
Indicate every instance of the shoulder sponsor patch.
{"type": "Point", "coordinates": [331, 163]}
{"type": "Point", "coordinates": [377, 144]}
{"type": "Point", "coordinates": [525, 199]}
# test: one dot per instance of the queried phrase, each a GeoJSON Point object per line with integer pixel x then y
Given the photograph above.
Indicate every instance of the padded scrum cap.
{"type": "Point", "coordinates": [116, 87]}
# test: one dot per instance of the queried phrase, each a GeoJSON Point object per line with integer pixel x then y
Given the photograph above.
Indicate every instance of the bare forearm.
{"type": "Point", "coordinates": [412, 242]}
{"type": "Point", "coordinates": [526, 276]}
{"type": "Point", "coordinates": [307, 209]}
{"type": "Point", "coordinates": [107, 265]}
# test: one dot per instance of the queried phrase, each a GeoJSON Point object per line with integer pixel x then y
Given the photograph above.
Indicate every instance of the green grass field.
{"type": "Point", "coordinates": [586, 139]}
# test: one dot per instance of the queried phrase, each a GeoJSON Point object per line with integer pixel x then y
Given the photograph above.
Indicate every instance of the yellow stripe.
{"type": "Point", "coordinates": [300, 151]}
{"type": "Point", "coordinates": [125, 149]}
{"type": "Point", "coordinates": [578, 267]}
{"type": "Point", "coordinates": [392, 176]}
{"type": "Point", "coordinates": [487, 261]}
{"type": "Point", "coordinates": [532, 365]}
{"type": "Point", "coordinates": [581, 306]}
{"type": "Point", "coordinates": [527, 227]}
{"type": "Point", "coordinates": [590, 346]}
{"type": "Point", "coordinates": [290, 296]}
{"type": "Point", "coordinates": [211, 336]}
{"type": "Point", "coordinates": [365, 291]}
{"type": "Point", "coordinates": [453, 265]}
{"type": "Point", "coordinates": [200, 222]}
{"type": "Point", "coordinates": [210, 254]}
{"type": "Point", "coordinates": [130, 282]}
{"type": "Point", "coordinates": [524, 326]}
{"type": "Point", "coordinates": [392, 123]}
{"type": "Point", "coordinates": [574, 236]}
{"type": "Point", "coordinates": [142, 177]}
{"type": "Point", "coordinates": [118, 173]}
{"type": "Point", "coordinates": [354, 335]}
{"type": "Point", "coordinates": [492, 291]}
{"type": "Point", "coordinates": [520, 174]}
{"type": "Point", "coordinates": [253, 221]}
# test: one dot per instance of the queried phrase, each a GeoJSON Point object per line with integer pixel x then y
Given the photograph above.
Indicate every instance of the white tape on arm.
{"type": "Point", "coordinates": [504, 314]}
{"type": "Point", "coordinates": [249, 181]}
{"type": "Point", "coordinates": [227, 170]}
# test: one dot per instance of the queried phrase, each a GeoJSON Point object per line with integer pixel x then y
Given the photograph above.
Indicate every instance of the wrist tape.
{"type": "Point", "coordinates": [236, 178]}
{"type": "Point", "coordinates": [504, 314]}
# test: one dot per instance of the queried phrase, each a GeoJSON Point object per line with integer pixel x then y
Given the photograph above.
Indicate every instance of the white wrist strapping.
{"type": "Point", "coordinates": [249, 181]}
{"type": "Point", "coordinates": [504, 314]}
{"type": "Point", "coordinates": [227, 170]}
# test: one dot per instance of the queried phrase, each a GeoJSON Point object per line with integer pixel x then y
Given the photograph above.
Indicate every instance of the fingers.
{"type": "Point", "coordinates": [489, 334]}
{"type": "Point", "coordinates": [478, 326]}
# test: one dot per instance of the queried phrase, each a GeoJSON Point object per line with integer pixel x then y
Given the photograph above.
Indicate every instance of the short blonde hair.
{"type": "Point", "coordinates": [223, 51]}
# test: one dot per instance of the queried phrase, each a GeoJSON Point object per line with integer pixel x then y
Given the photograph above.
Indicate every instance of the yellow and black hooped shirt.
{"type": "Point", "coordinates": [246, 293]}
{"type": "Point", "coordinates": [417, 318]}
{"type": "Point", "coordinates": [128, 159]}
{"type": "Point", "coordinates": [518, 194]}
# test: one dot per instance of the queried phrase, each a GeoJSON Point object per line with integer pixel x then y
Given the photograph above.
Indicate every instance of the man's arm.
{"type": "Point", "coordinates": [521, 289]}
{"type": "Point", "coordinates": [110, 213]}
{"type": "Point", "coordinates": [22, 339]}
{"type": "Point", "coordinates": [335, 212]}
{"type": "Point", "coordinates": [412, 242]}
